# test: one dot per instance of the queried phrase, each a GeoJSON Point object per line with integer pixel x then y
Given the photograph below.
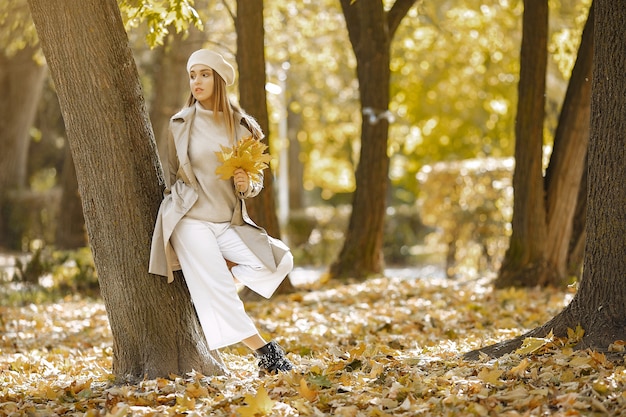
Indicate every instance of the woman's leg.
{"type": "Point", "coordinates": [254, 342]}
{"type": "Point", "coordinates": [251, 272]}
{"type": "Point", "coordinates": [214, 294]}
{"type": "Point", "coordinates": [248, 269]}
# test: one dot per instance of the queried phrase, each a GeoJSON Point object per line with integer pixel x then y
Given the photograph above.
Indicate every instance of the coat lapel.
{"type": "Point", "coordinates": [181, 131]}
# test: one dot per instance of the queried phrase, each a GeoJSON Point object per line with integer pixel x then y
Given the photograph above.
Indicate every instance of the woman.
{"type": "Point", "coordinates": [203, 223]}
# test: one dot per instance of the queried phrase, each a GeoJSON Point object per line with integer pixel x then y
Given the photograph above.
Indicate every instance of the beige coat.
{"type": "Point", "coordinates": [181, 194]}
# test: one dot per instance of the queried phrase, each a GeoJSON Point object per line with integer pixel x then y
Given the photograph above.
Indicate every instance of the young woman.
{"type": "Point", "coordinates": [203, 223]}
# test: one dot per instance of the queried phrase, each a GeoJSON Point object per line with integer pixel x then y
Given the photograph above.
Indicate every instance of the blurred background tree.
{"type": "Point", "coordinates": [454, 73]}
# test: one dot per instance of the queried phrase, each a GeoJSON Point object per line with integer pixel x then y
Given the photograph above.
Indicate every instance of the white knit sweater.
{"type": "Point", "coordinates": [216, 197]}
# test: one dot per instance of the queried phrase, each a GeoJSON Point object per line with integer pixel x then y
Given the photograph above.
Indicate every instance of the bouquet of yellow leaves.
{"type": "Point", "coordinates": [247, 154]}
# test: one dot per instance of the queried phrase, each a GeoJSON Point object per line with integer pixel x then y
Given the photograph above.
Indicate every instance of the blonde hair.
{"type": "Point", "coordinates": [223, 106]}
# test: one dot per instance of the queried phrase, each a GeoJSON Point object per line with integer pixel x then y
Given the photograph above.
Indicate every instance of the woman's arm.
{"type": "Point", "coordinates": [249, 126]}
{"type": "Point", "coordinates": [245, 186]}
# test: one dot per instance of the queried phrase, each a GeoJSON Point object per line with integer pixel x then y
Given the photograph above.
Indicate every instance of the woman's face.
{"type": "Point", "coordinates": [201, 81]}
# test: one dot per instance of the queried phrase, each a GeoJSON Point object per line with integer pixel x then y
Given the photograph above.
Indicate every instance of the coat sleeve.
{"type": "Point", "coordinates": [172, 161]}
{"type": "Point", "coordinates": [254, 187]}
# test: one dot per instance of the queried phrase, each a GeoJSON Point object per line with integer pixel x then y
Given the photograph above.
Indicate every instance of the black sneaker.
{"type": "Point", "coordinates": [272, 359]}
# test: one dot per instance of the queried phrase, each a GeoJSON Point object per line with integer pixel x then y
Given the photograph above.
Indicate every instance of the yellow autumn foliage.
{"type": "Point", "coordinates": [247, 154]}
{"type": "Point", "coordinates": [372, 349]}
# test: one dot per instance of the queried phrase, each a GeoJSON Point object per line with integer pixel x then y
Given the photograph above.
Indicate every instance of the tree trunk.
{"type": "Point", "coordinates": [70, 232]}
{"type": "Point", "coordinates": [523, 265]}
{"type": "Point", "coordinates": [296, 168]}
{"type": "Point", "coordinates": [69, 223]}
{"type": "Point", "coordinates": [171, 82]}
{"type": "Point", "coordinates": [21, 83]}
{"type": "Point", "coordinates": [370, 30]}
{"type": "Point", "coordinates": [599, 306]}
{"type": "Point", "coordinates": [154, 325]}
{"type": "Point", "coordinates": [251, 65]}
{"type": "Point", "coordinates": [576, 250]}
{"type": "Point", "coordinates": [524, 262]}
{"type": "Point", "coordinates": [568, 160]}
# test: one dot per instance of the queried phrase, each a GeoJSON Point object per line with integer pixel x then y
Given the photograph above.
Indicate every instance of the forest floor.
{"type": "Point", "coordinates": [387, 346]}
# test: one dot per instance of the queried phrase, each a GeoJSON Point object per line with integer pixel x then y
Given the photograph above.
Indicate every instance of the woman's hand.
{"type": "Point", "coordinates": [242, 181]}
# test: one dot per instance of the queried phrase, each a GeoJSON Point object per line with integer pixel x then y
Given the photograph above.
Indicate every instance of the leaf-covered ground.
{"type": "Point", "coordinates": [385, 347]}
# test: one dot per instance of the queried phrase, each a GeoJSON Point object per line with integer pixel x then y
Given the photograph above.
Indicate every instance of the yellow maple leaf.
{"type": "Point", "coordinates": [575, 335]}
{"type": "Point", "coordinates": [532, 344]}
{"type": "Point", "coordinates": [247, 154]}
{"type": "Point", "coordinates": [358, 351]}
{"type": "Point", "coordinates": [306, 392]}
{"type": "Point", "coordinates": [377, 369]}
{"type": "Point", "coordinates": [78, 386]}
{"type": "Point", "coordinates": [259, 404]}
{"type": "Point", "coordinates": [580, 362]}
{"type": "Point", "coordinates": [520, 368]}
{"type": "Point", "coordinates": [491, 376]}
{"type": "Point", "coordinates": [195, 390]}
{"type": "Point", "coordinates": [186, 402]}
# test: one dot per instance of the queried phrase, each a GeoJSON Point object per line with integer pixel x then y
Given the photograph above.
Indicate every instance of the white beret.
{"type": "Point", "coordinates": [215, 61]}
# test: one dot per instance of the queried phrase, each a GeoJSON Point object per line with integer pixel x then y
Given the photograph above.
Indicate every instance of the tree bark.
{"type": "Point", "coordinates": [576, 250]}
{"type": "Point", "coordinates": [171, 82]}
{"type": "Point", "coordinates": [70, 232]}
{"type": "Point", "coordinates": [370, 30]}
{"type": "Point", "coordinates": [68, 224]}
{"type": "Point", "coordinates": [154, 325]}
{"type": "Point", "coordinates": [21, 83]}
{"type": "Point", "coordinates": [296, 168]}
{"type": "Point", "coordinates": [599, 306]}
{"type": "Point", "coordinates": [251, 64]}
{"type": "Point", "coordinates": [524, 262]}
{"type": "Point", "coordinates": [568, 160]}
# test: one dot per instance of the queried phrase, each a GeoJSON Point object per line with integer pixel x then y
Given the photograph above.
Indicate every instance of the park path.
{"type": "Point", "coordinates": [301, 275]}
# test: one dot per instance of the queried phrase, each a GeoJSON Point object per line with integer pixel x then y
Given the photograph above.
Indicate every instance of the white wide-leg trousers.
{"type": "Point", "coordinates": [202, 249]}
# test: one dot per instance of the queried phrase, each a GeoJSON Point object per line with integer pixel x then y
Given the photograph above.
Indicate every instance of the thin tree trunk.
{"type": "Point", "coordinates": [296, 168]}
{"type": "Point", "coordinates": [21, 80]}
{"type": "Point", "coordinates": [567, 163]}
{"type": "Point", "coordinates": [370, 30]}
{"type": "Point", "coordinates": [171, 84]}
{"type": "Point", "coordinates": [70, 232]}
{"type": "Point", "coordinates": [524, 262]}
{"type": "Point", "coordinates": [251, 64]}
{"type": "Point", "coordinates": [154, 325]}
{"type": "Point", "coordinates": [599, 306]}
{"type": "Point", "coordinates": [69, 227]}
{"type": "Point", "coordinates": [577, 242]}
{"type": "Point", "coordinates": [361, 254]}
